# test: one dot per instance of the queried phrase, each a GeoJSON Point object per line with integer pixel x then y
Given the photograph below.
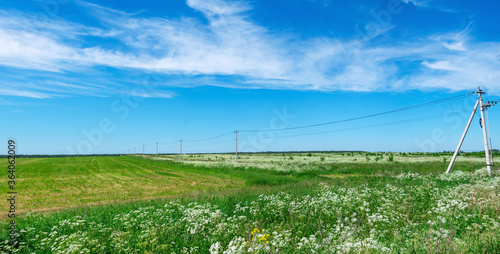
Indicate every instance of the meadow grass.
{"type": "Point", "coordinates": [46, 184]}
{"type": "Point", "coordinates": [331, 206]}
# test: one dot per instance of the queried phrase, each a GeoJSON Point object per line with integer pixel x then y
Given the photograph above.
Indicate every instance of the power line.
{"type": "Point", "coordinates": [206, 139]}
{"type": "Point", "coordinates": [376, 125]}
{"type": "Point", "coordinates": [366, 116]}
{"type": "Point", "coordinates": [361, 127]}
{"type": "Point", "coordinates": [170, 143]}
{"type": "Point", "coordinates": [340, 121]}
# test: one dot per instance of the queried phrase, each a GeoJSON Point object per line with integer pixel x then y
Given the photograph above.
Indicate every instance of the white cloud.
{"type": "Point", "coordinates": [228, 43]}
{"type": "Point", "coordinates": [24, 93]}
{"type": "Point", "coordinates": [32, 51]}
{"type": "Point", "coordinates": [415, 2]}
{"type": "Point", "coordinates": [217, 7]}
{"type": "Point", "coordinates": [429, 4]}
{"type": "Point", "coordinates": [67, 85]}
{"type": "Point", "coordinates": [440, 65]}
{"type": "Point", "coordinates": [459, 46]}
{"type": "Point", "coordinates": [152, 94]}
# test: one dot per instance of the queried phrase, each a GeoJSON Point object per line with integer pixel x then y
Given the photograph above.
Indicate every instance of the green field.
{"type": "Point", "coordinates": [47, 184]}
{"type": "Point", "coordinates": [266, 203]}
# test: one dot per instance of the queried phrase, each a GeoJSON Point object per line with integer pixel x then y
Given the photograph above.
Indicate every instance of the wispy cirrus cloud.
{"type": "Point", "coordinates": [429, 4]}
{"type": "Point", "coordinates": [24, 93]}
{"type": "Point", "coordinates": [440, 65]}
{"type": "Point", "coordinates": [227, 43]}
{"type": "Point", "coordinates": [154, 94]}
{"type": "Point", "coordinates": [455, 46]}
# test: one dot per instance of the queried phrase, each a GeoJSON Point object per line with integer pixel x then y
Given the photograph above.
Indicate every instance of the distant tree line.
{"type": "Point", "coordinates": [309, 153]}
{"type": "Point", "coordinates": [60, 155]}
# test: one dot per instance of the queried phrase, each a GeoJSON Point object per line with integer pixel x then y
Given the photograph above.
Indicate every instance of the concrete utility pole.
{"type": "Point", "coordinates": [463, 137]}
{"type": "Point", "coordinates": [491, 148]}
{"type": "Point", "coordinates": [180, 152]}
{"type": "Point", "coordinates": [236, 132]}
{"type": "Point", "coordinates": [156, 149]}
{"type": "Point", "coordinates": [143, 145]}
{"type": "Point", "coordinates": [483, 107]}
{"type": "Point", "coordinates": [485, 133]}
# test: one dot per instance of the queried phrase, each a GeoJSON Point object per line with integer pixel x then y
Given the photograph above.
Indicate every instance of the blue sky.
{"type": "Point", "coordinates": [107, 76]}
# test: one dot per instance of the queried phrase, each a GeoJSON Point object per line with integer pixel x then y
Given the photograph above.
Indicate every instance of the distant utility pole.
{"type": "Point", "coordinates": [180, 152]}
{"type": "Point", "coordinates": [129, 151]}
{"type": "Point", "coordinates": [483, 107]}
{"type": "Point", "coordinates": [236, 133]}
{"type": "Point", "coordinates": [156, 149]}
{"type": "Point", "coordinates": [143, 145]}
{"type": "Point", "coordinates": [134, 149]}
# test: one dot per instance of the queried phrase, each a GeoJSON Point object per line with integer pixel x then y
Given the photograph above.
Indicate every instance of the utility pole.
{"type": "Point", "coordinates": [134, 149]}
{"type": "Point", "coordinates": [180, 152]}
{"type": "Point", "coordinates": [143, 145]}
{"type": "Point", "coordinates": [129, 151]}
{"type": "Point", "coordinates": [485, 133]}
{"type": "Point", "coordinates": [236, 133]}
{"type": "Point", "coordinates": [491, 153]}
{"type": "Point", "coordinates": [463, 137]}
{"type": "Point", "coordinates": [156, 149]}
{"type": "Point", "coordinates": [483, 107]}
